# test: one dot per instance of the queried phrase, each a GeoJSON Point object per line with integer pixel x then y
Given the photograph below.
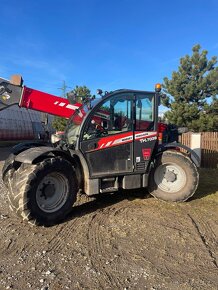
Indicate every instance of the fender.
{"type": "Point", "coordinates": [35, 154]}
{"type": "Point", "coordinates": [26, 145]}
{"type": "Point", "coordinates": [193, 155]}
{"type": "Point", "coordinates": [10, 162]}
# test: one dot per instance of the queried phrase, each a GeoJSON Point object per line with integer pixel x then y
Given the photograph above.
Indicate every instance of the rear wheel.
{"type": "Point", "coordinates": [43, 194]}
{"type": "Point", "coordinates": [174, 177]}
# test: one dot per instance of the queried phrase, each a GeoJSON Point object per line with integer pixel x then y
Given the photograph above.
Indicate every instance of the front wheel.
{"type": "Point", "coordinates": [173, 178]}
{"type": "Point", "coordinates": [43, 194]}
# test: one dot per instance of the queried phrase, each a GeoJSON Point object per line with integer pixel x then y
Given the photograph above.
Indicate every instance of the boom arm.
{"type": "Point", "coordinates": [13, 92]}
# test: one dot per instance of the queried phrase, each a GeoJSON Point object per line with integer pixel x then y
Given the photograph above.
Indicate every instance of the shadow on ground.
{"type": "Point", "coordinates": [92, 204]}
{"type": "Point", "coordinates": [208, 186]}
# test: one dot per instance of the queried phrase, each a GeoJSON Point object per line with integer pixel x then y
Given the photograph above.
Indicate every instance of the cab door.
{"type": "Point", "coordinates": [107, 136]}
{"type": "Point", "coordinates": [145, 135]}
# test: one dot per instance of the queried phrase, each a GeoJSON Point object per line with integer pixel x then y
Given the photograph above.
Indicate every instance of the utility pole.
{"type": "Point", "coordinates": [63, 88]}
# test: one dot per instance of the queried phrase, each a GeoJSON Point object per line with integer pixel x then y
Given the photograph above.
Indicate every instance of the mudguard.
{"type": "Point", "coordinates": [33, 154]}
{"type": "Point", "coordinates": [10, 162]}
{"type": "Point", "coordinates": [193, 155]}
{"type": "Point", "coordinates": [26, 145]}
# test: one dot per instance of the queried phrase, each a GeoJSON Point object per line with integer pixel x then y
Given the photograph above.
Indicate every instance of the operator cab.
{"type": "Point", "coordinates": [118, 135]}
{"type": "Point", "coordinates": [112, 115]}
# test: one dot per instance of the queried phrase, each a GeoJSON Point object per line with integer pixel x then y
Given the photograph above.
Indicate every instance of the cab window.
{"type": "Point", "coordinates": [144, 112]}
{"type": "Point", "coordinates": [114, 116]}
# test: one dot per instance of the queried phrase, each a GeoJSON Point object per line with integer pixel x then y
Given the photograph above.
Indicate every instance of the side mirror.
{"type": "Point", "coordinates": [161, 96]}
{"type": "Point", "coordinates": [99, 92]}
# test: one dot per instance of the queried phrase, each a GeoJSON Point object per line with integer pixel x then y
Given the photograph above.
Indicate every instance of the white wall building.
{"type": "Point", "coordinates": [22, 124]}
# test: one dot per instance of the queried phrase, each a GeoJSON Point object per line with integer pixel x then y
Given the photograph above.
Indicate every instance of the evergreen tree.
{"type": "Point", "coordinates": [188, 92]}
{"type": "Point", "coordinates": [79, 94]}
{"type": "Point", "coordinates": [59, 123]}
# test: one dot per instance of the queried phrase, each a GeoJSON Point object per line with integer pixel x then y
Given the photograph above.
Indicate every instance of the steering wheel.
{"type": "Point", "coordinates": [100, 131]}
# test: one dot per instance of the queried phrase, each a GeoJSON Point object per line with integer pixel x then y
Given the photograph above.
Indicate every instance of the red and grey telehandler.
{"type": "Point", "coordinates": [111, 143]}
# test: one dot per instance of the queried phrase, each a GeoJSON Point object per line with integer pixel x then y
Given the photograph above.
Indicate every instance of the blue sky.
{"type": "Point", "coordinates": [102, 44]}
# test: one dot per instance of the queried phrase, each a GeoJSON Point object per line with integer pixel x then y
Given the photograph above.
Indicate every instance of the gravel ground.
{"type": "Point", "coordinates": [120, 241]}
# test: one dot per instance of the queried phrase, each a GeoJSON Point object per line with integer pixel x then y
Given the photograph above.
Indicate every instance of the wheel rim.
{"type": "Point", "coordinates": [52, 192]}
{"type": "Point", "coordinates": [170, 177]}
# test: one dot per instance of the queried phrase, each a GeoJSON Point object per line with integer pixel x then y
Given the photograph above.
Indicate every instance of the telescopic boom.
{"type": "Point", "coordinates": [14, 93]}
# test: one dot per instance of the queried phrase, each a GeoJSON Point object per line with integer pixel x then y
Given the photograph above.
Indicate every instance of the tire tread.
{"type": "Point", "coordinates": [20, 185]}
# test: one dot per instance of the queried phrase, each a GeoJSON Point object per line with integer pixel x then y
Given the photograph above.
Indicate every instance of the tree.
{"type": "Point", "coordinates": [188, 92]}
{"type": "Point", "coordinates": [77, 95]}
{"type": "Point", "coordinates": [59, 123]}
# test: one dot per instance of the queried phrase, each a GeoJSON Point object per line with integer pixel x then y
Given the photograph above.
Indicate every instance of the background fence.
{"type": "Point", "coordinates": [209, 147]}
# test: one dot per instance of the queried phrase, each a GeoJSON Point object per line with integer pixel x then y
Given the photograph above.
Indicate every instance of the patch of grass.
{"type": "Point", "coordinates": [208, 184]}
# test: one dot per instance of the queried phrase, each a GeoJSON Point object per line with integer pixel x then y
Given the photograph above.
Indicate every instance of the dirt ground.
{"type": "Point", "coordinates": [119, 241]}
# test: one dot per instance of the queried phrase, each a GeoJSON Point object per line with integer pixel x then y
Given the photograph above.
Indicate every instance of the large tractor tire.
{"type": "Point", "coordinates": [173, 178]}
{"type": "Point", "coordinates": [8, 170]}
{"type": "Point", "coordinates": [43, 194]}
